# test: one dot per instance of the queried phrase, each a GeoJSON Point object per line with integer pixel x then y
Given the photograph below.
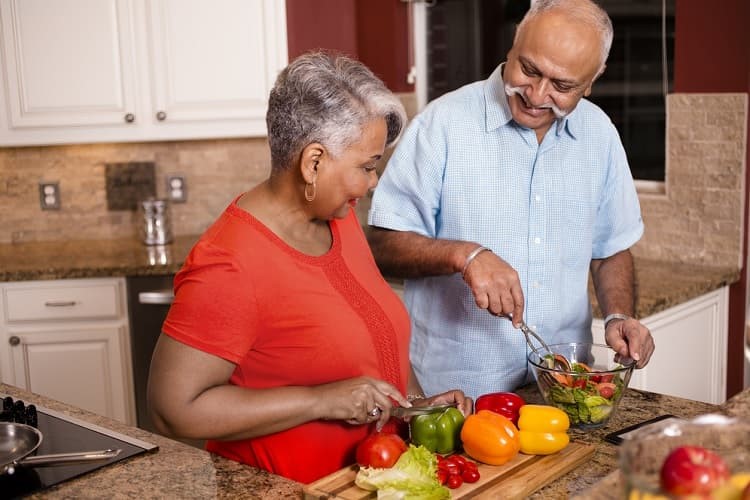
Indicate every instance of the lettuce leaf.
{"type": "Point", "coordinates": [413, 477]}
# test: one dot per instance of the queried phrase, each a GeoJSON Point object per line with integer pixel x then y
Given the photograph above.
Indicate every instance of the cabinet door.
{"type": "Point", "coordinates": [68, 63]}
{"type": "Point", "coordinates": [80, 365]}
{"type": "Point", "coordinates": [691, 349]}
{"type": "Point", "coordinates": [214, 60]}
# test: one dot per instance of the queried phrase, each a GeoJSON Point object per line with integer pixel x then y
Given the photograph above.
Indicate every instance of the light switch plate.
{"type": "Point", "coordinates": [49, 195]}
{"type": "Point", "coordinates": [176, 188]}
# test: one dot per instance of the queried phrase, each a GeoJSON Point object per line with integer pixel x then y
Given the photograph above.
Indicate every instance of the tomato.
{"type": "Point", "coordinates": [450, 466]}
{"type": "Point", "coordinates": [454, 481]}
{"type": "Point", "coordinates": [380, 449]}
{"type": "Point", "coordinates": [693, 470]}
{"type": "Point", "coordinates": [442, 476]}
{"type": "Point", "coordinates": [606, 389]}
{"type": "Point", "coordinates": [470, 476]}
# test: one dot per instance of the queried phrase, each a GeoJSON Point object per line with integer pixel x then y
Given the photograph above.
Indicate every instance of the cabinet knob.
{"type": "Point", "coordinates": [161, 116]}
{"type": "Point", "coordinates": [14, 340]}
{"type": "Point", "coordinates": [130, 118]}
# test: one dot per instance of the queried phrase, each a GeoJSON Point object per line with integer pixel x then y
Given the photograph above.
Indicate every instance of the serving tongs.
{"type": "Point", "coordinates": [528, 333]}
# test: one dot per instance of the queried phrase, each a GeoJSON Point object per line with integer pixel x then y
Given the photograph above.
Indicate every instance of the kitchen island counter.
{"type": "Point", "coordinates": [177, 470]}
{"type": "Point", "coordinates": [661, 285]}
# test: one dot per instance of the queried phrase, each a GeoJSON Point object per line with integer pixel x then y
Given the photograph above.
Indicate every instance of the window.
{"type": "Point", "coordinates": [467, 39]}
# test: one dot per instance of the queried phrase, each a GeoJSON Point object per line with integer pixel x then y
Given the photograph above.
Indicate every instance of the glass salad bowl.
{"type": "Point", "coordinates": [584, 380]}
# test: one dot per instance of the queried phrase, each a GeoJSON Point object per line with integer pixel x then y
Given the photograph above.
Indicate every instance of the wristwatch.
{"type": "Point", "coordinates": [612, 316]}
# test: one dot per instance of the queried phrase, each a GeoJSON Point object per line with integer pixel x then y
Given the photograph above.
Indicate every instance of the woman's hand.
{"type": "Point", "coordinates": [360, 400]}
{"type": "Point", "coordinates": [465, 403]}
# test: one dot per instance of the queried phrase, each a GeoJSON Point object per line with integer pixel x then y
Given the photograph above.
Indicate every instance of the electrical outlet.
{"type": "Point", "coordinates": [49, 195]}
{"type": "Point", "coordinates": [176, 188]}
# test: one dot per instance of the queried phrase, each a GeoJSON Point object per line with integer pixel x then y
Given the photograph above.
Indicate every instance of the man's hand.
{"type": "Point", "coordinates": [495, 286]}
{"type": "Point", "coordinates": [630, 338]}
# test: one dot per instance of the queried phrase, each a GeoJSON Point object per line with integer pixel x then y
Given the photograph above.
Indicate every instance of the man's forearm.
{"type": "Point", "coordinates": [614, 281]}
{"type": "Point", "coordinates": [404, 254]}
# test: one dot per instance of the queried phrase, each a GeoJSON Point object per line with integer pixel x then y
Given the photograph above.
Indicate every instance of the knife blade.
{"type": "Point", "coordinates": [401, 411]}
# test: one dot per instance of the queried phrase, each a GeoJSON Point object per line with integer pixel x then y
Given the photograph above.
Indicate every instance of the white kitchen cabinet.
{"type": "Point", "coordinates": [81, 71]}
{"type": "Point", "coordinates": [69, 340]}
{"type": "Point", "coordinates": [691, 349]}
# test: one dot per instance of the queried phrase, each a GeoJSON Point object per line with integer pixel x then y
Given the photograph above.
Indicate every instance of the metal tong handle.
{"type": "Point", "coordinates": [528, 333]}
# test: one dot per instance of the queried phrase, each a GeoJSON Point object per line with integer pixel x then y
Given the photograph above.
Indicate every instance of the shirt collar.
{"type": "Point", "coordinates": [497, 110]}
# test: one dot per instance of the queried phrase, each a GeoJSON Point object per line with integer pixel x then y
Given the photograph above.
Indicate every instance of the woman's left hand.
{"type": "Point", "coordinates": [464, 403]}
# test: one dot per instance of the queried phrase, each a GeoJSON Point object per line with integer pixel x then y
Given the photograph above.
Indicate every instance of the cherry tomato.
{"type": "Point", "coordinates": [470, 476]}
{"type": "Point", "coordinates": [454, 481]}
{"type": "Point", "coordinates": [442, 476]}
{"type": "Point", "coordinates": [471, 466]}
{"type": "Point", "coordinates": [380, 449]}
{"type": "Point", "coordinates": [449, 466]}
{"type": "Point", "coordinates": [461, 461]}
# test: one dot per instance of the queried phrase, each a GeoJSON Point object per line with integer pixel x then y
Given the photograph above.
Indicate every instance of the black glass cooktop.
{"type": "Point", "coordinates": [64, 434]}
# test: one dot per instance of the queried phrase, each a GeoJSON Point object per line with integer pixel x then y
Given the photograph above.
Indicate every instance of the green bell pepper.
{"type": "Point", "coordinates": [438, 432]}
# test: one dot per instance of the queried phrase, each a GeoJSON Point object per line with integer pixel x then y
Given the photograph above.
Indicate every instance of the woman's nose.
{"type": "Point", "coordinates": [373, 181]}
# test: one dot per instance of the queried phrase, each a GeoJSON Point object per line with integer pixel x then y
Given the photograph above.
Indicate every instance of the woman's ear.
{"type": "Point", "coordinates": [310, 160]}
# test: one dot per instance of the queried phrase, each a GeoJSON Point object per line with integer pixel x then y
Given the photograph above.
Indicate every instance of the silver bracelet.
{"type": "Point", "coordinates": [612, 316]}
{"type": "Point", "coordinates": [472, 256]}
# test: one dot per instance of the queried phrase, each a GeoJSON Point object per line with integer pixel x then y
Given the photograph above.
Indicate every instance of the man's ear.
{"type": "Point", "coordinates": [310, 161]}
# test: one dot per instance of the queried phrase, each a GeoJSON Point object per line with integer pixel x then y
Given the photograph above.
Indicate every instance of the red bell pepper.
{"type": "Point", "coordinates": [506, 404]}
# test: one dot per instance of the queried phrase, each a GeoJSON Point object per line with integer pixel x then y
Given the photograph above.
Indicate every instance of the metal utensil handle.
{"type": "Point", "coordinates": [69, 458]}
{"type": "Point", "coordinates": [156, 297]}
{"type": "Point", "coordinates": [528, 331]}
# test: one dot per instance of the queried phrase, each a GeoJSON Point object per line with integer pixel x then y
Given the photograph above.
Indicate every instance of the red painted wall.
{"type": "Point", "coordinates": [712, 46]}
{"type": "Point", "coordinates": [373, 31]}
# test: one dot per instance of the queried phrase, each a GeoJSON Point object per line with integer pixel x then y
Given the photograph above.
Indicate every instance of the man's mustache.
{"type": "Point", "coordinates": [509, 91]}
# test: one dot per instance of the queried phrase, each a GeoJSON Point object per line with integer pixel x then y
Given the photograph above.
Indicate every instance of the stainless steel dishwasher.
{"type": "Point", "coordinates": [149, 298]}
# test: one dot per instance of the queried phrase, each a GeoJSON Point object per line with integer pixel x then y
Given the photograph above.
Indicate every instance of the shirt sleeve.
{"type": "Point", "coordinates": [618, 222]}
{"type": "Point", "coordinates": [214, 309]}
{"type": "Point", "coordinates": [408, 194]}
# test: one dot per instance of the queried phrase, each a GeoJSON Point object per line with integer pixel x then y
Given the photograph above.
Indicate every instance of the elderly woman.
{"type": "Point", "coordinates": [285, 346]}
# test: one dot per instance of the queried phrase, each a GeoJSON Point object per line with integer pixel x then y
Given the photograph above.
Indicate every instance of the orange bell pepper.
{"type": "Point", "coordinates": [490, 438]}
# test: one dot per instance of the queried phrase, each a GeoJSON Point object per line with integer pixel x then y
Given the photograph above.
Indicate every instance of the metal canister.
{"type": "Point", "coordinates": [155, 226]}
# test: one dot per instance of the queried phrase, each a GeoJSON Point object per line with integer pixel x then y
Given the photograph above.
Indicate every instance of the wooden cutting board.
{"type": "Point", "coordinates": [516, 479]}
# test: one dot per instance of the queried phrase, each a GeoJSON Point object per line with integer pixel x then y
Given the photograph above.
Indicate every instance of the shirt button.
{"type": "Point", "coordinates": [535, 284]}
{"type": "Point", "coordinates": [537, 240]}
{"type": "Point", "coordinates": [537, 198]}
{"type": "Point", "coordinates": [533, 327]}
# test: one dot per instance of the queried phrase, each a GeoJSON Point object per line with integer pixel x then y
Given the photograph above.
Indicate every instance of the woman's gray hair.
{"type": "Point", "coordinates": [326, 98]}
{"type": "Point", "coordinates": [585, 11]}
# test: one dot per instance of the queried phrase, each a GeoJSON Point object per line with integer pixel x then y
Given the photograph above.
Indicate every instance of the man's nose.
{"type": "Point", "coordinates": [538, 92]}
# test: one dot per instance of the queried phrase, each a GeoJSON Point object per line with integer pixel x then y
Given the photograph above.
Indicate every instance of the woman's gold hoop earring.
{"type": "Point", "coordinates": [308, 196]}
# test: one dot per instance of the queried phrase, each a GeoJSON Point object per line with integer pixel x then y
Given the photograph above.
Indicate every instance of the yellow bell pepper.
{"type": "Point", "coordinates": [542, 429]}
{"type": "Point", "coordinates": [490, 438]}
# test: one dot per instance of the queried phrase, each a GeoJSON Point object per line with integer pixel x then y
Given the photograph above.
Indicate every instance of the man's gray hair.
{"type": "Point", "coordinates": [326, 98]}
{"type": "Point", "coordinates": [585, 11]}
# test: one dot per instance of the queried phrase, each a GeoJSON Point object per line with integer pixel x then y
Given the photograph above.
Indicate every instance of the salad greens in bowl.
{"type": "Point", "coordinates": [586, 381]}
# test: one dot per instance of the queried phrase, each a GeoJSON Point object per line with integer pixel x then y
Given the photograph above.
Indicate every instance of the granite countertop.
{"type": "Point", "coordinates": [660, 284]}
{"type": "Point", "coordinates": [177, 470]}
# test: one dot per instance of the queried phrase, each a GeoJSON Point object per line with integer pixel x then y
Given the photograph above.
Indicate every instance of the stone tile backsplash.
{"type": "Point", "coordinates": [697, 220]}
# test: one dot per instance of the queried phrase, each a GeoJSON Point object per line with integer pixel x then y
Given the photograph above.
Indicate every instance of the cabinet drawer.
{"type": "Point", "coordinates": [62, 302]}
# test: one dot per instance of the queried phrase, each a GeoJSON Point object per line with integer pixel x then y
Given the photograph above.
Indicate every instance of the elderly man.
{"type": "Point", "coordinates": [501, 197]}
